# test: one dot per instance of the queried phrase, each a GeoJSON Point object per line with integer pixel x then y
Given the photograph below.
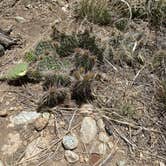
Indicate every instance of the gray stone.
{"type": "Point", "coordinates": [71, 156]}
{"type": "Point", "coordinates": [2, 50]}
{"type": "Point", "coordinates": [88, 130]}
{"type": "Point", "coordinates": [25, 117]}
{"type": "Point", "coordinates": [20, 19]}
{"type": "Point", "coordinates": [70, 142]}
{"type": "Point", "coordinates": [121, 163]}
{"type": "Point", "coordinates": [103, 137]}
{"type": "Point", "coordinates": [101, 124]}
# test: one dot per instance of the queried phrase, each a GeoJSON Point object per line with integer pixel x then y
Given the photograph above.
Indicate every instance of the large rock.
{"type": "Point", "coordinates": [24, 118]}
{"type": "Point", "coordinates": [88, 130]}
{"type": "Point", "coordinates": [71, 156]}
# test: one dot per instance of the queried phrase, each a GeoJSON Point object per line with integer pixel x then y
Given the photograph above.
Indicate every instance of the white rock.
{"type": "Point", "coordinates": [24, 118]}
{"type": "Point", "coordinates": [101, 124]}
{"type": "Point", "coordinates": [1, 163]}
{"type": "Point", "coordinates": [20, 19]}
{"type": "Point", "coordinates": [102, 148]}
{"type": "Point", "coordinates": [103, 137]}
{"type": "Point", "coordinates": [71, 156]}
{"type": "Point", "coordinates": [88, 129]}
{"type": "Point", "coordinates": [161, 164]}
{"type": "Point", "coordinates": [70, 142]}
{"type": "Point", "coordinates": [3, 113]}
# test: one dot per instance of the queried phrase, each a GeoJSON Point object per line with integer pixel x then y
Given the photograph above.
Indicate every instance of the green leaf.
{"type": "Point", "coordinates": [19, 70]}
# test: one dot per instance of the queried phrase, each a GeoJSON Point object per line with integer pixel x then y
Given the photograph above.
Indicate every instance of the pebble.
{"type": "Point", "coordinates": [102, 148]}
{"type": "Point", "coordinates": [86, 108]}
{"type": "Point", "coordinates": [161, 164]}
{"type": "Point", "coordinates": [103, 137]}
{"type": "Point", "coordinates": [40, 123]}
{"type": "Point", "coordinates": [110, 145]}
{"type": "Point", "coordinates": [2, 50]}
{"type": "Point", "coordinates": [1, 163]}
{"type": "Point", "coordinates": [20, 19]}
{"type": "Point", "coordinates": [70, 142]}
{"type": "Point", "coordinates": [121, 163]}
{"type": "Point", "coordinates": [71, 156]}
{"type": "Point", "coordinates": [101, 124]}
{"type": "Point", "coordinates": [3, 113]}
{"type": "Point", "coordinates": [88, 130]}
{"type": "Point", "coordinates": [25, 117]}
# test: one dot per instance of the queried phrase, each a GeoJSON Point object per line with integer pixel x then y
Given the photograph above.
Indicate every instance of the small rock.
{"type": "Point", "coordinates": [86, 108]}
{"type": "Point", "coordinates": [101, 124]}
{"type": "Point", "coordinates": [110, 145]}
{"type": "Point", "coordinates": [20, 19]}
{"type": "Point", "coordinates": [71, 156]}
{"type": "Point", "coordinates": [94, 158]}
{"type": "Point", "coordinates": [40, 123]}
{"type": "Point", "coordinates": [3, 113]}
{"type": "Point", "coordinates": [121, 163]}
{"type": "Point", "coordinates": [70, 142]}
{"type": "Point", "coordinates": [102, 148]}
{"type": "Point", "coordinates": [103, 137]}
{"type": "Point", "coordinates": [1, 163]}
{"type": "Point", "coordinates": [2, 50]}
{"type": "Point", "coordinates": [161, 164]}
{"type": "Point", "coordinates": [88, 130]}
{"type": "Point", "coordinates": [25, 117]}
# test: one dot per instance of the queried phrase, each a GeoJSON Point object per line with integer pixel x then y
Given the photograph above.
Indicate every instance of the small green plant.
{"type": "Point", "coordinates": [30, 57]}
{"type": "Point", "coordinates": [43, 48]}
{"type": "Point", "coordinates": [56, 80]}
{"type": "Point", "coordinates": [82, 89]}
{"type": "Point", "coordinates": [67, 44]}
{"type": "Point", "coordinates": [83, 59]}
{"type": "Point", "coordinates": [17, 71]}
{"type": "Point", "coordinates": [159, 64]}
{"type": "Point", "coordinates": [52, 63]}
{"type": "Point", "coordinates": [95, 11]}
{"type": "Point", "coordinates": [161, 93]}
{"type": "Point", "coordinates": [128, 110]}
{"type": "Point", "coordinates": [53, 97]}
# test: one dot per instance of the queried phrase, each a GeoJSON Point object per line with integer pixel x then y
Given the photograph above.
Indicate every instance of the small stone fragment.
{"type": "Point", "coordinates": [70, 142]}
{"type": "Point", "coordinates": [110, 145]}
{"type": "Point", "coordinates": [101, 124]}
{"type": "Point", "coordinates": [103, 137]}
{"type": "Point", "coordinates": [20, 19]}
{"type": "Point", "coordinates": [40, 123]}
{"type": "Point", "coordinates": [2, 50]}
{"type": "Point", "coordinates": [88, 130]}
{"type": "Point", "coordinates": [102, 148]}
{"type": "Point", "coordinates": [86, 108]}
{"type": "Point", "coordinates": [121, 163]}
{"type": "Point", "coordinates": [3, 113]}
{"type": "Point", "coordinates": [94, 158]}
{"type": "Point", "coordinates": [71, 156]}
